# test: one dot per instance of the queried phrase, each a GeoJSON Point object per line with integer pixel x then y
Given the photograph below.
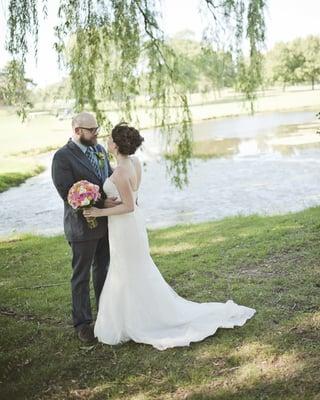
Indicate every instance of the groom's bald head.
{"type": "Point", "coordinates": [84, 120]}
{"type": "Point", "coordinates": [85, 128]}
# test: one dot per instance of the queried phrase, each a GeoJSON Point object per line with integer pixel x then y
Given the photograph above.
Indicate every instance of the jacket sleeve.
{"type": "Point", "coordinates": [62, 175]}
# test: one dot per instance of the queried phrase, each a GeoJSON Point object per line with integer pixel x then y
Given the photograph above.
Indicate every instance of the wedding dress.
{"type": "Point", "coordinates": [137, 304]}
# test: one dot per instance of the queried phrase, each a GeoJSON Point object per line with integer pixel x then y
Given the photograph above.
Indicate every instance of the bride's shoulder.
{"type": "Point", "coordinates": [120, 172]}
{"type": "Point", "coordinates": [136, 161]}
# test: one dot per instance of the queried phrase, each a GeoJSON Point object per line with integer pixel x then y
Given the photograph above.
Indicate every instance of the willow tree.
{"type": "Point", "coordinates": [109, 45]}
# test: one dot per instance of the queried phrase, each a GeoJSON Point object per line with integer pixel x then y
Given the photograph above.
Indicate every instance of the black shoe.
{"type": "Point", "coordinates": [85, 334]}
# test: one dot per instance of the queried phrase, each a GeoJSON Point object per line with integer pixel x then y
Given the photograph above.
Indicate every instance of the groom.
{"type": "Point", "coordinates": [83, 158]}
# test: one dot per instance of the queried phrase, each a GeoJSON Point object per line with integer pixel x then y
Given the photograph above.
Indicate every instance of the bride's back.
{"type": "Point", "coordinates": [135, 173]}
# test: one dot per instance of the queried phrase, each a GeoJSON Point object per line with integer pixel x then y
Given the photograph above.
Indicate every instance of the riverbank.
{"type": "Point", "coordinates": [25, 145]}
{"type": "Point", "coordinates": [15, 170]}
{"type": "Point", "coordinates": [12, 179]}
{"type": "Point", "coordinates": [269, 263]}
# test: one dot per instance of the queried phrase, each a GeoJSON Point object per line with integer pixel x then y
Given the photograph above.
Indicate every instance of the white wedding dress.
{"type": "Point", "coordinates": [136, 303]}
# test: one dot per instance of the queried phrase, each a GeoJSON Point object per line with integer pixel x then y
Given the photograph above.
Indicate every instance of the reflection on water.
{"type": "Point", "coordinates": [251, 126]}
{"type": "Point", "coordinates": [260, 134]}
{"type": "Point", "coordinates": [263, 164]}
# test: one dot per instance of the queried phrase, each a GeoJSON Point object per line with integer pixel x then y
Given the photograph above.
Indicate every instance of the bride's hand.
{"type": "Point", "coordinates": [92, 212]}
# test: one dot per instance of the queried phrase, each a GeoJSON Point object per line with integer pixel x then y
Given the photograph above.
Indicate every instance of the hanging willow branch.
{"type": "Point", "coordinates": [115, 51]}
{"type": "Point", "coordinates": [245, 19]}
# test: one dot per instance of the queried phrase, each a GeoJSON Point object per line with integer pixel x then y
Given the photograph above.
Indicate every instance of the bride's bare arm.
{"type": "Point", "coordinates": [121, 180]}
{"type": "Point", "coordinates": [111, 202]}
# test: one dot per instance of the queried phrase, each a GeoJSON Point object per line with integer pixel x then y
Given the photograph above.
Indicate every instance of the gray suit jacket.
{"type": "Point", "coordinates": [69, 166]}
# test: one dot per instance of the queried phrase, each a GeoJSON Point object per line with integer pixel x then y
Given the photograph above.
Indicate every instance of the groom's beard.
{"type": "Point", "coordinates": [87, 142]}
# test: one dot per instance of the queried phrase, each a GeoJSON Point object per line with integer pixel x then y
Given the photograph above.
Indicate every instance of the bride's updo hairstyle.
{"type": "Point", "coordinates": [127, 138]}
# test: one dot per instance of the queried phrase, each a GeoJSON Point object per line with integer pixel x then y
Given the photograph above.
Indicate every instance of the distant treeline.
{"type": "Point", "coordinates": [205, 69]}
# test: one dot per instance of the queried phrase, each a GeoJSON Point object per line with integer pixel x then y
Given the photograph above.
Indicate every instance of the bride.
{"type": "Point", "coordinates": [136, 302]}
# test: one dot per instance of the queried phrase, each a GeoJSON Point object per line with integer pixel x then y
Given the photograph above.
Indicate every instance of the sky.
{"type": "Point", "coordinates": [285, 19]}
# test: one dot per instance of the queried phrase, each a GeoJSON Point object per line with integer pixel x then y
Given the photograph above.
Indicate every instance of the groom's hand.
{"type": "Point", "coordinates": [111, 202]}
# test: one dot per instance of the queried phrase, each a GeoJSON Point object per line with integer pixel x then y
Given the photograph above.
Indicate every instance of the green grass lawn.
{"type": "Point", "coordinates": [268, 263]}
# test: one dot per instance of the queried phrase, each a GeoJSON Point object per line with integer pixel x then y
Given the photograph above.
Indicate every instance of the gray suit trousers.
{"type": "Point", "coordinates": [86, 254]}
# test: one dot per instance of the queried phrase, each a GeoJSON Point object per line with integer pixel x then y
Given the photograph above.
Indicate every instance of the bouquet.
{"type": "Point", "coordinates": [84, 194]}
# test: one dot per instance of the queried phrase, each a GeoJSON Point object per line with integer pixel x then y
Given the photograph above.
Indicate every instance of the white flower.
{"type": "Point", "coordinates": [85, 202]}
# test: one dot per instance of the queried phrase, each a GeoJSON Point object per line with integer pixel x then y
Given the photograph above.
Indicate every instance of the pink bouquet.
{"type": "Point", "coordinates": [84, 194]}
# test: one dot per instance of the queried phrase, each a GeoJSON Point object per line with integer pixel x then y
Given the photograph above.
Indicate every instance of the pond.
{"type": "Point", "coordinates": [263, 164]}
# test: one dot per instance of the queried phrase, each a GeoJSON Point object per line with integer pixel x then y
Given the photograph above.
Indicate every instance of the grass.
{"type": "Point", "coordinates": [268, 263]}
{"type": "Point", "coordinates": [12, 179]}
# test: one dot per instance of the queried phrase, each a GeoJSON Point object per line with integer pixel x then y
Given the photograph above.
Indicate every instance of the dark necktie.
{"type": "Point", "coordinates": [94, 161]}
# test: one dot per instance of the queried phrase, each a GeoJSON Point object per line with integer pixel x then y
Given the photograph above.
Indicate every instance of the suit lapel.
{"type": "Point", "coordinates": [105, 169]}
{"type": "Point", "coordinates": [81, 157]}
{"type": "Point", "coordinates": [103, 172]}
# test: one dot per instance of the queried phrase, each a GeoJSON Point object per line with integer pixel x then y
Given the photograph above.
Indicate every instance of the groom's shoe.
{"type": "Point", "coordinates": [85, 334]}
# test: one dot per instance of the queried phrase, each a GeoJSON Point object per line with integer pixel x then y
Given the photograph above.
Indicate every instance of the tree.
{"type": "Point", "coordinates": [249, 72]}
{"type": "Point", "coordinates": [217, 67]}
{"type": "Point", "coordinates": [56, 91]}
{"type": "Point", "coordinates": [295, 62]}
{"type": "Point", "coordinates": [114, 40]}
{"type": "Point", "coordinates": [310, 68]}
{"type": "Point", "coordinates": [284, 61]}
{"type": "Point", "coordinates": [252, 69]}
{"type": "Point", "coordinates": [186, 50]}
{"type": "Point", "coordinates": [15, 88]}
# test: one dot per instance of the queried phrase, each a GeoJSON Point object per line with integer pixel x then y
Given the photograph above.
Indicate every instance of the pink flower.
{"type": "Point", "coordinates": [83, 194]}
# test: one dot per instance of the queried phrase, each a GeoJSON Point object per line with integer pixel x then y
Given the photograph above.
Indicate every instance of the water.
{"type": "Point", "coordinates": [265, 164]}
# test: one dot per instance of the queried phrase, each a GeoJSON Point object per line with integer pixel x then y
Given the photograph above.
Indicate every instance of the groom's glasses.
{"type": "Point", "coordinates": [93, 131]}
